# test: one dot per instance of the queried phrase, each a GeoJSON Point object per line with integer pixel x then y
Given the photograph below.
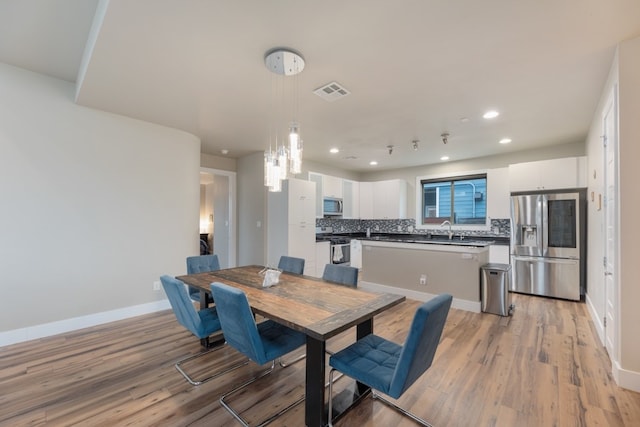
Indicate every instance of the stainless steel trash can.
{"type": "Point", "coordinates": [494, 292]}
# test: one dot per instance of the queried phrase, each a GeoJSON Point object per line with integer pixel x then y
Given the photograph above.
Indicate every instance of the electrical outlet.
{"type": "Point", "coordinates": [156, 285]}
{"type": "Point", "coordinates": [423, 279]}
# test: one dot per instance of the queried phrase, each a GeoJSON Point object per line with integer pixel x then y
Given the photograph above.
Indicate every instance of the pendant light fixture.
{"type": "Point", "coordinates": [286, 157]}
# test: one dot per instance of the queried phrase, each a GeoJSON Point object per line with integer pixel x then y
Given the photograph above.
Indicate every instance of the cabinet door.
{"type": "Point", "coordinates": [317, 179]}
{"type": "Point", "coordinates": [301, 239]}
{"type": "Point", "coordinates": [332, 186]}
{"type": "Point", "coordinates": [390, 199]}
{"type": "Point", "coordinates": [323, 258]}
{"type": "Point", "coordinates": [351, 199]}
{"type": "Point", "coordinates": [301, 202]}
{"type": "Point", "coordinates": [524, 176]}
{"type": "Point", "coordinates": [559, 173]}
{"type": "Point", "coordinates": [499, 254]}
{"type": "Point", "coordinates": [366, 200]}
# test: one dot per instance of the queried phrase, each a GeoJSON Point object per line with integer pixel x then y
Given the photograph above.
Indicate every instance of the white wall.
{"type": "Point", "coordinates": [252, 204]}
{"type": "Point", "coordinates": [625, 72]}
{"type": "Point", "coordinates": [629, 196]}
{"type": "Point", "coordinates": [95, 206]}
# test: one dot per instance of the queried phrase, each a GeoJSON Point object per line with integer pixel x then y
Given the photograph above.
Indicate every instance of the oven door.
{"type": "Point", "coordinates": [341, 253]}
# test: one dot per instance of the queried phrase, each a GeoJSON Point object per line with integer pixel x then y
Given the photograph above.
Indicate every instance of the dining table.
{"type": "Point", "coordinates": [315, 307]}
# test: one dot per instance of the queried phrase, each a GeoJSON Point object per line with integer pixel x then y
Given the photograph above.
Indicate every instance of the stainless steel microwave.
{"type": "Point", "coordinates": [332, 206]}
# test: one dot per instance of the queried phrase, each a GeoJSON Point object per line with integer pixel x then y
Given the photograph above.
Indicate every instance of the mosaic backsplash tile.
{"type": "Point", "coordinates": [499, 227]}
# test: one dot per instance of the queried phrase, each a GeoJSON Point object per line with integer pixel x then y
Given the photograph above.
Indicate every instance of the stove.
{"type": "Point", "coordinates": [339, 245]}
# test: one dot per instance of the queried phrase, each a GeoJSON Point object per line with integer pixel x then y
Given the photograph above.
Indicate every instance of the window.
{"type": "Point", "coordinates": [462, 200]}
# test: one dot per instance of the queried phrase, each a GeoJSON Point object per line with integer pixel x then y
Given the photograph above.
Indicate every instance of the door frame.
{"type": "Point", "coordinates": [232, 244]}
{"type": "Point", "coordinates": [611, 221]}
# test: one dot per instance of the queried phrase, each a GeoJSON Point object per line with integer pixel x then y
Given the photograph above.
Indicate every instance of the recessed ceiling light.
{"type": "Point", "coordinates": [491, 114]}
{"type": "Point", "coordinates": [224, 151]}
{"type": "Point", "coordinates": [443, 158]}
{"type": "Point", "coordinates": [334, 150]}
{"type": "Point", "coordinates": [373, 163]}
{"type": "Point", "coordinates": [464, 119]}
{"type": "Point", "coordinates": [505, 140]}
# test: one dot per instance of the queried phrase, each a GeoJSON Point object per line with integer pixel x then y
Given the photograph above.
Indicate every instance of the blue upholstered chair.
{"type": "Point", "coordinates": [201, 323]}
{"type": "Point", "coordinates": [264, 342]}
{"type": "Point", "coordinates": [291, 264]}
{"type": "Point", "coordinates": [200, 264]}
{"type": "Point", "coordinates": [341, 274]}
{"type": "Point", "coordinates": [391, 368]}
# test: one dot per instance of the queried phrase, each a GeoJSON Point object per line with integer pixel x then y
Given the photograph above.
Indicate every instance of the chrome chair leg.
{"type": "Point", "coordinates": [375, 395]}
{"type": "Point", "coordinates": [237, 416]}
{"type": "Point", "coordinates": [193, 381]}
{"type": "Point", "coordinates": [399, 409]}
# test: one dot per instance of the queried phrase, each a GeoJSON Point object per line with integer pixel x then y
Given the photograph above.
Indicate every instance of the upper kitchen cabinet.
{"type": "Point", "coordinates": [351, 199]}
{"type": "Point", "coordinates": [555, 174]}
{"type": "Point", "coordinates": [332, 187]}
{"type": "Point", "coordinates": [383, 199]}
{"type": "Point", "coordinates": [317, 179]}
{"type": "Point", "coordinates": [498, 197]}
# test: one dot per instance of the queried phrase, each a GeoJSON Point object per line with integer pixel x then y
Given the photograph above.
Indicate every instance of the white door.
{"type": "Point", "coordinates": [610, 230]}
{"type": "Point", "coordinates": [223, 198]}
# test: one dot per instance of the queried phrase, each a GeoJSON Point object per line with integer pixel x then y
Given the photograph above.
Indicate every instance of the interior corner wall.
{"type": "Point", "coordinates": [629, 203]}
{"type": "Point", "coordinates": [95, 206]}
{"type": "Point", "coordinates": [252, 202]}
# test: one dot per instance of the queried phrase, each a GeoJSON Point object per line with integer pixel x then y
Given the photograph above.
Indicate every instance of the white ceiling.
{"type": "Point", "coordinates": [414, 69]}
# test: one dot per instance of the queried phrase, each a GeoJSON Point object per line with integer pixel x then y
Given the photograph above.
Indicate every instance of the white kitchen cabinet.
{"type": "Point", "coordinates": [323, 257]}
{"type": "Point", "coordinates": [554, 174]}
{"type": "Point", "coordinates": [291, 223]}
{"type": "Point", "coordinates": [366, 200]}
{"type": "Point", "coordinates": [498, 197]}
{"type": "Point", "coordinates": [332, 186]}
{"type": "Point", "coordinates": [390, 199]}
{"type": "Point", "coordinates": [316, 178]}
{"type": "Point", "coordinates": [351, 199]}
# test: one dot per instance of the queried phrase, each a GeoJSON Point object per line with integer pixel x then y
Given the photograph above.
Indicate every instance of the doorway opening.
{"type": "Point", "coordinates": [217, 215]}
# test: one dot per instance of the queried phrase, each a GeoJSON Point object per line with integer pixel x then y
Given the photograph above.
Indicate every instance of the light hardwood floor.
{"type": "Point", "coordinates": [541, 367]}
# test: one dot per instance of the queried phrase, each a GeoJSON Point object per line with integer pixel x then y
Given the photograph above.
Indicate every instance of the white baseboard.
{"type": "Point", "coordinates": [595, 317]}
{"type": "Point", "coordinates": [61, 326]}
{"type": "Point", "coordinates": [473, 306]}
{"type": "Point", "coordinates": [626, 379]}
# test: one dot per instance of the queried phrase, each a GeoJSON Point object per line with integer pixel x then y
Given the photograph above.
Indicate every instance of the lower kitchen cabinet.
{"type": "Point", "coordinates": [323, 257]}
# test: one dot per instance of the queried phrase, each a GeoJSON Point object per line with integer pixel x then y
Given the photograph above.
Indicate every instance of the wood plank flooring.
{"type": "Point", "coordinates": [541, 367]}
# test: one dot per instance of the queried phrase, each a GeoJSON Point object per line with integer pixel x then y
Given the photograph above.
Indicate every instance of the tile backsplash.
{"type": "Point", "coordinates": [499, 227]}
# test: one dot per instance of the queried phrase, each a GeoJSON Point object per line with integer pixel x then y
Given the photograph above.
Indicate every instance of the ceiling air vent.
{"type": "Point", "coordinates": [331, 91]}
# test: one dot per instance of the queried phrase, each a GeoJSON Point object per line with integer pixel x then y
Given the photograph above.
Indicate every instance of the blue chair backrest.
{"type": "Point", "coordinates": [202, 263]}
{"type": "Point", "coordinates": [420, 347]}
{"type": "Point", "coordinates": [238, 324]}
{"type": "Point", "coordinates": [182, 306]}
{"type": "Point", "coordinates": [291, 264]}
{"type": "Point", "coordinates": [341, 274]}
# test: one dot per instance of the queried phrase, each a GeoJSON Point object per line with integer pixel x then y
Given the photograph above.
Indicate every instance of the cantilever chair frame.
{"type": "Point", "coordinates": [185, 306]}
{"type": "Point", "coordinates": [400, 382]}
{"type": "Point", "coordinates": [244, 312]}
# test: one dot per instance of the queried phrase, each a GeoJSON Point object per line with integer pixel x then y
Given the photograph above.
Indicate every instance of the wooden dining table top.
{"type": "Point", "coordinates": [316, 307]}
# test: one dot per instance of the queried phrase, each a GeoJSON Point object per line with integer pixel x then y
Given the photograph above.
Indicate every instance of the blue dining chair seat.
{"type": "Point", "coordinates": [390, 368]}
{"type": "Point", "coordinates": [371, 358]}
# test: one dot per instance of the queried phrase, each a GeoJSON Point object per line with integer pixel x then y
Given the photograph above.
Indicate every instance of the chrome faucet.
{"type": "Point", "coordinates": [449, 224]}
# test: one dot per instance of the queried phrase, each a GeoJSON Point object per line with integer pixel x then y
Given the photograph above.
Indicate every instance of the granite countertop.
{"type": "Point", "coordinates": [438, 239]}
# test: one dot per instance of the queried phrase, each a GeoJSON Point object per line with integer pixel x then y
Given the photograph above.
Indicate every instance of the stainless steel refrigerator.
{"type": "Point", "coordinates": [548, 244]}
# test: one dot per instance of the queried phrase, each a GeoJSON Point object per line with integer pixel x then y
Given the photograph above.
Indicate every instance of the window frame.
{"type": "Point", "coordinates": [454, 176]}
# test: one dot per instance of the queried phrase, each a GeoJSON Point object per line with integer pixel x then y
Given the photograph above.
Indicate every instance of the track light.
{"type": "Point", "coordinates": [414, 144]}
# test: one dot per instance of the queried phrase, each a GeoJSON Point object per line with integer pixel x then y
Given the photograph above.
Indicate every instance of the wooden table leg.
{"type": "Point", "coordinates": [315, 414]}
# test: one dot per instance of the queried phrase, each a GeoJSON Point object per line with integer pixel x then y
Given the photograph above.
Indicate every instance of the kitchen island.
{"type": "Point", "coordinates": [420, 271]}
